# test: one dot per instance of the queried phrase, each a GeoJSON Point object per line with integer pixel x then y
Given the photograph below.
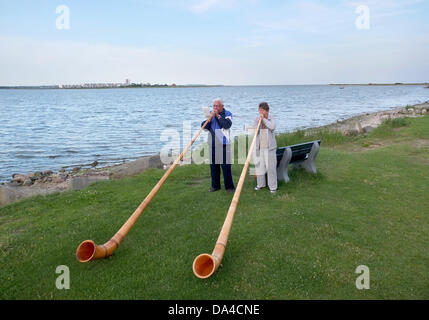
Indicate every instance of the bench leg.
{"type": "Point", "coordinates": [283, 166]}
{"type": "Point", "coordinates": [309, 164]}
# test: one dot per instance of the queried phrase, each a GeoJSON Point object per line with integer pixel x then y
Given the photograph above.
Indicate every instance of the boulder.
{"type": "Point", "coordinates": [33, 177]}
{"type": "Point", "coordinates": [359, 127]}
{"type": "Point", "coordinates": [10, 193]}
{"type": "Point", "coordinates": [136, 167]}
{"type": "Point", "coordinates": [352, 132]}
{"type": "Point", "coordinates": [7, 195]}
{"type": "Point", "coordinates": [27, 182]}
{"type": "Point", "coordinates": [58, 178]}
{"type": "Point", "coordinates": [19, 178]}
{"type": "Point", "coordinates": [368, 129]}
{"type": "Point", "coordinates": [81, 182]}
{"type": "Point", "coordinates": [155, 162]}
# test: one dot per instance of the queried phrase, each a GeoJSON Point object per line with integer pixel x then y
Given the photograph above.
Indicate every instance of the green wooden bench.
{"type": "Point", "coordinates": [299, 155]}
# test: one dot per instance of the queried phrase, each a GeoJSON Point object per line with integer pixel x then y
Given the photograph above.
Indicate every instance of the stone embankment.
{"type": "Point", "coordinates": [43, 183]}
{"type": "Point", "coordinates": [367, 122]}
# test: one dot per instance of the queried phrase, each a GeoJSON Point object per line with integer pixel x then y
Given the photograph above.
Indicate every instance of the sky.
{"type": "Point", "coordinates": [229, 42]}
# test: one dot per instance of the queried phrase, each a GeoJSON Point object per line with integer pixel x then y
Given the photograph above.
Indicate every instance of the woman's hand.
{"type": "Point", "coordinates": [263, 113]}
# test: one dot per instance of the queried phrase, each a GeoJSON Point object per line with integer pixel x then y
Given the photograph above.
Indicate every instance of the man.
{"type": "Point", "coordinates": [264, 154]}
{"type": "Point", "coordinates": [219, 146]}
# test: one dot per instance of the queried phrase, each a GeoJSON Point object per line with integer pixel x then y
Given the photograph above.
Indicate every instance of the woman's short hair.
{"type": "Point", "coordinates": [264, 106]}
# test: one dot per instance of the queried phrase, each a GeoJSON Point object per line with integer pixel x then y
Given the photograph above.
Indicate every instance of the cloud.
{"type": "Point", "coordinates": [387, 8]}
{"type": "Point", "coordinates": [204, 5]}
{"type": "Point", "coordinates": [303, 17]}
{"type": "Point", "coordinates": [383, 4]}
{"type": "Point", "coordinates": [320, 21]}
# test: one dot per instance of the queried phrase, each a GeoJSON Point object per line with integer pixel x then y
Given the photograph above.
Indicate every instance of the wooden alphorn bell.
{"type": "Point", "coordinates": [206, 264]}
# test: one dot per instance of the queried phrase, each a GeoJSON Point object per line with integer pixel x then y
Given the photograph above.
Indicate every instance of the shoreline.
{"type": "Point", "coordinates": [47, 182]}
{"type": "Point", "coordinates": [138, 86]}
{"type": "Point", "coordinates": [380, 84]}
{"type": "Point", "coordinates": [368, 121]}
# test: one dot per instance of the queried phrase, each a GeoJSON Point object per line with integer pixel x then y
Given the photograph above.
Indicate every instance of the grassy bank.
{"type": "Point", "coordinates": [366, 206]}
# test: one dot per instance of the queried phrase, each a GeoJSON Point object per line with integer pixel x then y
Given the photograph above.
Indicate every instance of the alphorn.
{"type": "Point", "coordinates": [88, 250]}
{"type": "Point", "coordinates": [206, 264]}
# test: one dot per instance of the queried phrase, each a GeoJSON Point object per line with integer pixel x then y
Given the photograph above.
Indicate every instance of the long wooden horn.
{"type": "Point", "coordinates": [206, 264]}
{"type": "Point", "coordinates": [88, 250]}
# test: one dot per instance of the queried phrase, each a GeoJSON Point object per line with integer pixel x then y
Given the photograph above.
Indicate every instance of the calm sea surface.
{"type": "Point", "coordinates": [50, 129]}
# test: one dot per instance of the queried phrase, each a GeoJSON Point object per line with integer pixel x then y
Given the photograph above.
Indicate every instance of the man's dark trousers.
{"type": "Point", "coordinates": [221, 161]}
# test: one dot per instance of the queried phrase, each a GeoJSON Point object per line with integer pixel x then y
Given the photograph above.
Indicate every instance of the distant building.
{"type": "Point", "coordinates": [127, 82]}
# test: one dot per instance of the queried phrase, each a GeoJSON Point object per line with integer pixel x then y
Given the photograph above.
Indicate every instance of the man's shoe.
{"type": "Point", "coordinates": [230, 190]}
{"type": "Point", "coordinates": [213, 190]}
{"type": "Point", "coordinates": [258, 188]}
{"type": "Point", "coordinates": [273, 191]}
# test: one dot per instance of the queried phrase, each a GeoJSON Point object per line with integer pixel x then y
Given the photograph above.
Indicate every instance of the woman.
{"type": "Point", "coordinates": [264, 154]}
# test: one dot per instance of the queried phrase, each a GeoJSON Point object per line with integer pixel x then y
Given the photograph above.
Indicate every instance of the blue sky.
{"type": "Point", "coordinates": [214, 42]}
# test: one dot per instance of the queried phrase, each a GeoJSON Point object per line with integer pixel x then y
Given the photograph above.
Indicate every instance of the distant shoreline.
{"type": "Point", "coordinates": [82, 87]}
{"type": "Point", "coordinates": [138, 86]}
{"type": "Point", "coordinates": [380, 84]}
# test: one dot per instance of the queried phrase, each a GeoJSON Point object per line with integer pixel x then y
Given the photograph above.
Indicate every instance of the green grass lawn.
{"type": "Point", "coordinates": [367, 205]}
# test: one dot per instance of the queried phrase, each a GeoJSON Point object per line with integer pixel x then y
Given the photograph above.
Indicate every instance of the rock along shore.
{"type": "Point", "coordinates": [47, 182]}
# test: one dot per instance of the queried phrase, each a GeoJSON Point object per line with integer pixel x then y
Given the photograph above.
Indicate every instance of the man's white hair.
{"type": "Point", "coordinates": [218, 100]}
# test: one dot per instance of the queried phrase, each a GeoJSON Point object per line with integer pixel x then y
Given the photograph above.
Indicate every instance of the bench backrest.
{"type": "Point", "coordinates": [299, 151]}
